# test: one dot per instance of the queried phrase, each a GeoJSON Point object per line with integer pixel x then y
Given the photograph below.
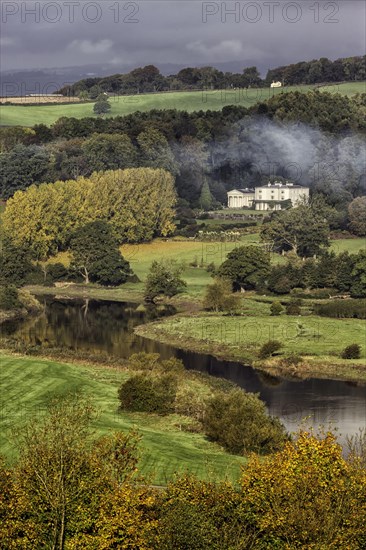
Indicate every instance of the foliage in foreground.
{"type": "Point", "coordinates": [239, 421]}
{"type": "Point", "coordinates": [234, 418]}
{"type": "Point", "coordinates": [68, 490]}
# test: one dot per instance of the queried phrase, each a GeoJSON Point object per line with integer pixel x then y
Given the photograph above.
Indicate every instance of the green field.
{"type": "Point", "coordinates": [307, 335]}
{"type": "Point", "coordinates": [19, 115]}
{"type": "Point", "coordinates": [318, 340]}
{"type": "Point", "coordinates": [28, 383]}
{"type": "Point", "coordinates": [141, 256]}
{"type": "Point", "coordinates": [347, 88]}
{"type": "Point", "coordinates": [348, 245]}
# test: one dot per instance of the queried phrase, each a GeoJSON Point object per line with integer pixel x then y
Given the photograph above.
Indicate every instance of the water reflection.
{"type": "Point", "coordinates": [108, 326]}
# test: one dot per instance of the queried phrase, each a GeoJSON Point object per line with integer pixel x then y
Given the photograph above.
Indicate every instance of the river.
{"type": "Point", "coordinates": [99, 326]}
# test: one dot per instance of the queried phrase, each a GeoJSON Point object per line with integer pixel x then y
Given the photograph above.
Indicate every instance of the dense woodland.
{"type": "Point", "coordinates": [235, 147]}
{"type": "Point", "coordinates": [149, 79]}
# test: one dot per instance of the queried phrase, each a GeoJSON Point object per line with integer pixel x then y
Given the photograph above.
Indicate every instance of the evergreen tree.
{"type": "Point", "coordinates": [206, 199]}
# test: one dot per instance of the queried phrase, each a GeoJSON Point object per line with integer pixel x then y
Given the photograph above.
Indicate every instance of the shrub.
{"type": "Point", "coordinates": [293, 308]}
{"type": "Point", "coordinates": [218, 296]}
{"type": "Point", "coordinates": [211, 268]}
{"type": "Point", "coordinates": [269, 348]}
{"type": "Point", "coordinates": [239, 421]}
{"type": "Point", "coordinates": [276, 308]}
{"type": "Point", "coordinates": [9, 297]}
{"type": "Point", "coordinates": [143, 393]}
{"type": "Point", "coordinates": [164, 278]}
{"type": "Point", "coordinates": [291, 360]}
{"type": "Point", "coordinates": [351, 352]}
{"type": "Point", "coordinates": [352, 308]}
{"type": "Point", "coordinates": [151, 362]}
{"type": "Point", "coordinates": [190, 403]}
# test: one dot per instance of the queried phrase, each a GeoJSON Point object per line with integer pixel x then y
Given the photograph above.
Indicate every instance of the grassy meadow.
{"type": "Point", "coordinates": [142, 255]}
{"type": "Point", "coordinates": [28, 115]}
{"type": "Point", "coordinates": [28, 383]}
{"type": "Point", "coordinates": [319, 340]}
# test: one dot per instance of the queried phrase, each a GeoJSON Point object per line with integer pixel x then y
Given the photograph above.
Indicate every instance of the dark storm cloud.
{"type": "Point", "coordinates": [123, 33]}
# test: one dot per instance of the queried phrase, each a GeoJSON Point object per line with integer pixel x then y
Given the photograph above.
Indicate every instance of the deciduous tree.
{"type": "Point", "coordinates": [245, 267]}
{"type": "Point", "coordinates": [164, 278]}
{"type": "Point", "coordinates": [95, 255]}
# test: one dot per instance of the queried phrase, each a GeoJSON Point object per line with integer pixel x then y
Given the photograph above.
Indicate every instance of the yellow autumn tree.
{"type": "Point", "coordinates": [138, 203]}
{"type": "Point", "coordinates": [307, 496]}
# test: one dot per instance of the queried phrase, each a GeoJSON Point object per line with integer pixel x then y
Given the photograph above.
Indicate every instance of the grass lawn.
{"type": "Point", "coordinates": [307, 335]}
{"type": "Point", "coordinates": [348, 245]}
{"type": "Point", "coordinates": [346, 88]}
{"type": "Point", "coordinates": [239, 338]}
{"type": "Point", "coordinates": [18, 115]}
{"type": "Point", "coordinates": [28, 383]}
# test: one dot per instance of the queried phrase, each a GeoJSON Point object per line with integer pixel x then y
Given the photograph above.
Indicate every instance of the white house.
{"type": "Point", "coordinates": [273, 196]}
{"type": "Point", "coordinates": [240, 198]}
{"type": "Point", "coordinates": [277, 84]}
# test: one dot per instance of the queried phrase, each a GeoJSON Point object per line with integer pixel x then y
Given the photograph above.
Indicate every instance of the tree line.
{"type": "Point", "coordinates": [149, 79]}
{"type": "Point", "coordinates": [208, 153]}
{"type": "Point", "coordinates": [137, 203]}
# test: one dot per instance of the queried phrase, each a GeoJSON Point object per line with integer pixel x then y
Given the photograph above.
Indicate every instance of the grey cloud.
{"type": "Point", "coordinates": [186, 32]}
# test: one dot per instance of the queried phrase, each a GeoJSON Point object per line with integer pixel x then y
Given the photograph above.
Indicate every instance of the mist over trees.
{"type": "Point", "coordinates": [314, 139]}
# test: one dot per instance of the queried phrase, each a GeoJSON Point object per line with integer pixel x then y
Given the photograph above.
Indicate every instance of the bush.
{"type": "Point", "coordinates": [9, 297]}
{"type": "Point", "coordinates": [276, 308]}
{"type": "Point", "coordinates": [190, 403]}
{"type": "Point", "coordinates": [211, 268]}
{"type": "Point", "coordinates": [239, 421]}
{"type": "Point", "coordinates": [143, 393]}
{"type": "Point", "coordinates": [293, 308]}
{"type": "Point", "coordinates": [269, 348]}
{"type": "Point", "coordinates": [164, 278]}
{"type": "Point", "coordinates": [351, 352]}
{"type": "Point", "coordinates": [218, 296]}
{"type": "Point", "coordinates": [352, 308]}
{"type": "Point", "coordinates": [151, 362]}
{"type": "Point", "coordinates": [317, 293]}
{"type": "Point", "coordinates": [291, 360]}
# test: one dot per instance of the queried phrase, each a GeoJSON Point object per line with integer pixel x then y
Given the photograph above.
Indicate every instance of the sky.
{"type": "Point", "coordinates": [129, 34]}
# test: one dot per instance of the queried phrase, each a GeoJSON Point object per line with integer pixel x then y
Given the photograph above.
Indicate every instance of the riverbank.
{"type": "Point", "coordinates": [318, 340]}
{"type": "Point", "coordinates": [169, 444]}
{"type": "Point", "coordinates": [28, 306]}
{"type": "Point", "coordinates": [239, 338]}
{"type": "Point", "coordinates": [127, 293]}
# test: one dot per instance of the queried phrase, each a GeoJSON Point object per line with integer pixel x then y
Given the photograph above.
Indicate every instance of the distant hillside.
{"type": "Point", "coordinates": [149, 79]}
{"type": "Point", "coordinates": [188, 101]}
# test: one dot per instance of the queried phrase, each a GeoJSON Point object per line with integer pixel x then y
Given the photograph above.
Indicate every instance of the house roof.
{"type": "Point", "coordinates": [243, 191]}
